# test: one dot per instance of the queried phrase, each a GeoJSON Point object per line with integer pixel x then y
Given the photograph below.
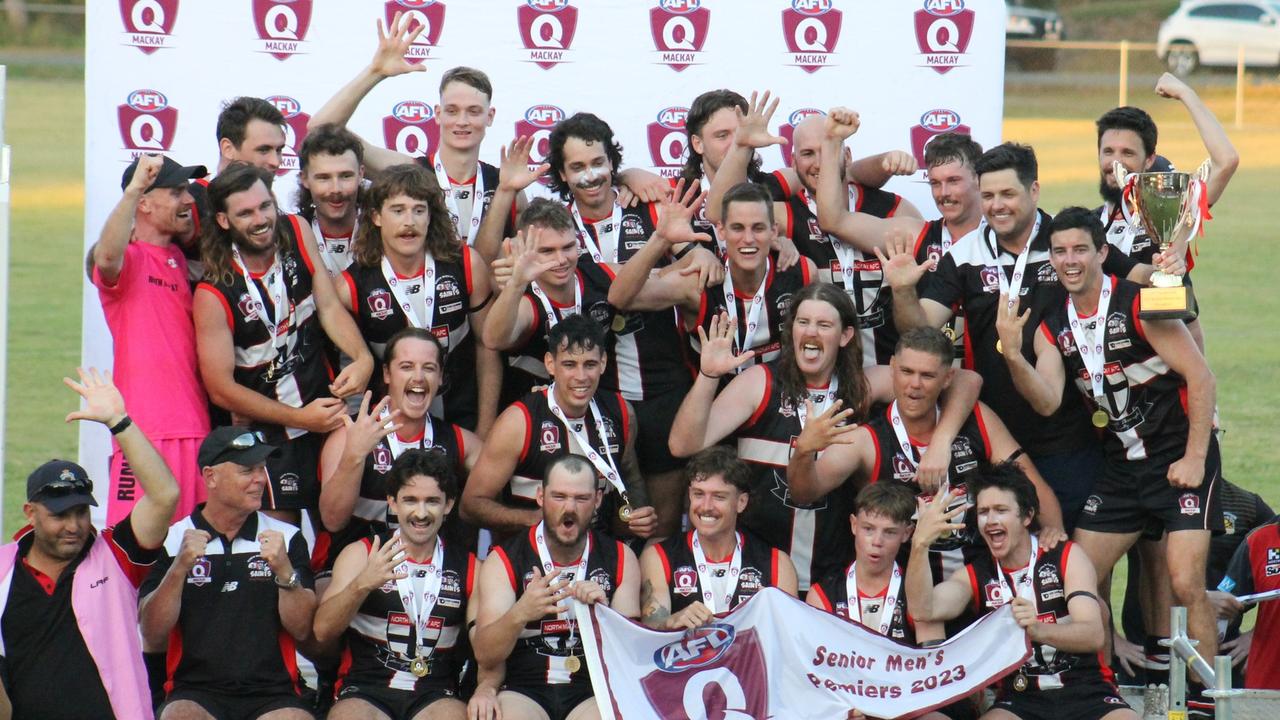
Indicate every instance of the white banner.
{"type": "Point", "coordinates": [776, 657]}
{"type": "Point", "coordinates": [157, 72]}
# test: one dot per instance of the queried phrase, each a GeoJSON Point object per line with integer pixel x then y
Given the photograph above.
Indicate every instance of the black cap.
{"type": "Point", "coordinates": [171, 174]}
{"type": "Point", "coordinates": [1161, 164]}
{"type": "Point", "coordinates": [60, 485]}
{"type": "Point", "coordinates": [232, 443]}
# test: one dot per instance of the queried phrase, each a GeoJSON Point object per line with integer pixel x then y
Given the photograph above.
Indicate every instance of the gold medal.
{"type": "Point", "coordinates": [1020, 683]}
{"type": "Point", "coordinates": [419, 667]}
{"type": "Point", "coordinates": [1100, 418]}
{"type": "Point", "coordinates": [619, 322]}
{"type": "Point", "coordinates": [624, 513]}
{"type": "Point", "coordinates": [573, 664]}
{"type": "Point", "coordinates": [999, 347]}
{"type": "Point", "coordinates": [950, 332]}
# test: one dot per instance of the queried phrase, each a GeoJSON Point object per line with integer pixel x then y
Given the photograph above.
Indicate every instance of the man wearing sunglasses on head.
{"type": "Point", "coordinates": [68, 648]}
{"type": "Point", "coordinates": [231, 594]}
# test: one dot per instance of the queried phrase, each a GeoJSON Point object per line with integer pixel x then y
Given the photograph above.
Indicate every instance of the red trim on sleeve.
{"type": "Point", "coordinates": [791, 221]}
{"type": "Point", "coordinates": [351, 290]}
{"type": "Point", "coordinates": [536, 311]}
{"type": "Point", "coordinates": [924, 231]}
{"type": "Point", "coordinates": [1137, 318]}
{"type": "Point", "coordinates": [173, 656]}
{"type": "Point", "coordinates": [1044, 329]}
{"type": "Point", "coordinates": [462, 449]}
{"type": "Point", "coordinates": [608, 271]}
{"type": "Point", "coordinates": [368, 544]}
{"type": "Point", "coordinates": [702, 313]}
{"type": "Point", "coordinates": [466, 267]}
{"type": "Point", "coordinates": [626, 418]}
{"type": "Point", "coordinates": [666, 562]}
{"type": "Point", "coordinates": [875, 445]}
{"type": "Point", "coordinates": [506, 563]}
{"type": "Point", "coordinates": [775, 557]}
{"type": "Point", "coordinates": [804, 272]}
{"type": "Point", "coordinates": [782, 182]}
{"type": "Point", "coordinates": [226, 307]}
{"type": "Point", "coordinates": [822, 597]}
{"type": "Point", "coordinates": [302, 247]}
{"type": "Point", "coordinates": [1066, 550]}
{"type": "Point", "coordinates": [974, 590]}
{"type": "Point", "coordinates": [982, 427]}
{"type": "Point", "coordinates": [764, 398]}
{"type": "Point", "coordinates": [897, 201]}
{"type": "Point", "coordinates": [471, 573]}
{"type": "Point", "coordinates": [622, 558]}
{"type": "Point", "coordinates": [528, 428]}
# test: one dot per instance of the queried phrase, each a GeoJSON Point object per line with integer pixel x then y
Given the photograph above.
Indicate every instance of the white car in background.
{"type": "Point", "coordinates": [1210, 33]}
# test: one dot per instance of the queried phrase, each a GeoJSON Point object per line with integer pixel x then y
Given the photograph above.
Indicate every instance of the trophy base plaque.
{"type": "Point", "coordinates": [1166, 303]}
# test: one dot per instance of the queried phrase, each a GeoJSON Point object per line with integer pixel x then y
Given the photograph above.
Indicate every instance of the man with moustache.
{"type": "Point", "coordinates": [401, 601]}
{"type": "Point", "coordinates": [259, 317]}
{"type": "Point", "coordinates": [1008, 258]}
{"type": "Point", "coordinates": [68, 592]}
{"type": "Point", "coordinates": [141, 276]}
{"type": "Point", "coordinates": [1052, 592]}
{"type": "Point", "coordinates": [231, 577]}
{"type": "Point", "coordinates": [691, 577]}
{"type": "Point", "coordinates": [525, 631]}
{"type": "Point", "coordinates": [568, 417]}
{"type": "Point", "coordinates": [330, 181]}
{"type": "Point", "coordinates": [1149, 387]}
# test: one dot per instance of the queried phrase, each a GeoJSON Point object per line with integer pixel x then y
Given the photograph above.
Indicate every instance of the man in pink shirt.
{"type": "Point", "coordinates": [141, 276]}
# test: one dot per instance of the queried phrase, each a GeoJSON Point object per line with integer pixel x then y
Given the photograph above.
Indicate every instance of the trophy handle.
{"type": "Point", "coordinates": [1195, 207]}
{"type": "Point", "coordinates": [1124, 181]}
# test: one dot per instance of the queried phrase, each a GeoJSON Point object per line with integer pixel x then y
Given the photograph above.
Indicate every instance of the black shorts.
{"type": "Point", "coordinates": [556, 700]}
{"type": "Point", "coordinates": [235, 706]}
{"type": "Point", "coordinates": [398, 704]}
{"type": "Point", "coordinates": [1131, 493]}
{"type": "Point", "coordinates": [293, 474]}
{"type": "Point", "coordinates": [1088, 701]}
{"type": "Point", "coordinates": [654, 418]}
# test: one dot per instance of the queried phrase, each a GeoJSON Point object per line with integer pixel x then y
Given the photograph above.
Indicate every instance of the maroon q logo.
{"type": "Point", "coordinates": [668, 141]}
{"type": "Point", "coordinates": [943, 30]}
{"type": "Point", "coordinates": [295, 131]}
{"type": "Point", "coordinates": [933, 123]}
{"type": "Point", "coordinates": [282, 25]}
{"type": "Point", "coordinates": [148, 23]}
{"type": "Point", "coordinates": [147, 122]}
{"type": "Point", "coordinates": [811, 29]}
{"type": "Point", "coordinates": [427, 14]}
{"type": "Point", "coordinates": [537, 124]}
{"type": "Point", "coordinates": [411, 129]}
{"type": "Point", "coordinates": [679, 29]}
{"type": "Point", "coordinates": [546, 30]}
{"type": "Point", "coordinates": [709, 672]}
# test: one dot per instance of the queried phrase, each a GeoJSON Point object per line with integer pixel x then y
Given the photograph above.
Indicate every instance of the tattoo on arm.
{"type": "Point", "coordinates": [652, 610]}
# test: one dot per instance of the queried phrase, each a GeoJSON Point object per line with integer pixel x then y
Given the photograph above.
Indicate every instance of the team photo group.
{"type": "Point", "coordinates": [433, 445]}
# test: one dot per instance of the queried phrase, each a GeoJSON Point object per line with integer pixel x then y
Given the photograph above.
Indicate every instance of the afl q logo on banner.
{"type": "Point", "coordinates": [147, 122]}
{"type": "Point", "coordinates": [148, 24]}
{"type": "Point", "coordinates": [411, 129]}
{"type": "Point", "coordinates": [427, 14]}
{"type": "Point", "coordinates": [934, 123]}
{"type": "Point", "coordinates": [711, 666]}
{"type": "Point", "coordinates": [537, 124]}
{"type": "Point", "coordinates": [788, 130]}
{"type": "Point", "coordinates": [943, 31]}
{"type": "Point", "coordinates": [679, 29]}
{"type": "Point", "coordinates": [668, 141]}
{"type": "Point", "coordinates": [295, 131]}
{"type": "Point", "coordinates": [811, 29]}
{"type": "Point", "coordinates": [546, 29]}
{"type": "Point", "coordinates": [282, 25]}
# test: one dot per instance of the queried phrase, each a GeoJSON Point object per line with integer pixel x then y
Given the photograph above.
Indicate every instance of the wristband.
{"type": "Point", "coordinates": [688, 248]}
{"type": "Point", "coordinates": [713, 377]}
{"type": "Point", "coordinates": [121, 426]}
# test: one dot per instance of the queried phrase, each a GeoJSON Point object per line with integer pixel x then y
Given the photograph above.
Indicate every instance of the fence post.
{"type": "Point", "coordinates": [1124, 73]}
{"type": "Point", "coordinates": [1239, 86]}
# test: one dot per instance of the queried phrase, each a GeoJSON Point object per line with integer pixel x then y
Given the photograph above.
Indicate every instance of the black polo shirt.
{"type": "Point", "coordinates": [966, 276]}
{"type": "Point", "coordinates": [228, 638]}
{"type": "Point", "coordinates": [45, 659]}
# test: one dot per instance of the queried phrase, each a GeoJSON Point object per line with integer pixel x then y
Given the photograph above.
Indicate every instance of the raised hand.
{"type": "Point", "coordinates": [841, 123]}
{"type": "Point", "coordinates": [513, 169]}
{"type": "Point", "coordinates": [147, 171]}
{"type": "Point", "coordinates": [676, 214]}
{"type": "Point", "coordinates": [500, 268]}
{"type": "Point", "coordinates": [829, 428]}
{"type": "Point", "coordinates": [380, 567]}
{"type": "Point", "coordinates": [899, 162]}
{"type": "Point", "coordinates": [102, 400]}
{"type": "Point", "coordinates": [934, 520]}
{"type": "Point", "coordinates": [899, 264]}
{"type": "Point", "coordinates": [1170, 86]}
{"type": "Point", "coordinates": [718, 358]}
{"type": "Point", "coordinates": [528, 265]}
{"type": "Point", "coordinates": [192, 549]}
{"type": "Point", "coordinates": [1009, 325]}
{"type": "Point", "coordinates": [272, 548]}
{"type": "Point", "coordinates": [367, 430]}
{"type": "Point", "coordinates": [753, 128]}
{"type": "Point", "coordinates": [542, 597]}
{"type": "Point", "coordinates": [393, 42]}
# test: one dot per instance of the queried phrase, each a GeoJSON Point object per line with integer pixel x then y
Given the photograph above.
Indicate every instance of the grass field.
{"type": "Point", "coordinates": [1235, 274]}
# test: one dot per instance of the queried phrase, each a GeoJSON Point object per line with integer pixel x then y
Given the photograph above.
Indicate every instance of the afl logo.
{"type": "Point", "coordinates": [667, 140]}
{"type": "Point", "coordinates": [413, 111]}
{"type": "Point", "coordinates": [812, 7]}
{"type": "Point", "coordinates": [544, 116]}
{"type": "Point", "coordinates": [287, 106]}
{"type": "Point", "coordinates": [944, 8]}
{"type": "Point", "coordinates": [695, 649]}
{"type": "Point", "coordinates": [147, 122]}
{"type": "Point", "coordinates": [932, 123]}
{"type": "Point", "coordinates": [940, 121]}
{"type": "Point", "coordinates": [148, 101]}
{"type": "Point", "coordinates": [410, 129]}
{"type": "Point", "coordinates": [673, 118]}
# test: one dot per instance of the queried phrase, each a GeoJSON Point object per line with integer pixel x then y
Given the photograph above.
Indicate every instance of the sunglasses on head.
{"type": "Point", "coordinates": [66, 486]}
{"type": "Point", "coordinates": [247, 440]}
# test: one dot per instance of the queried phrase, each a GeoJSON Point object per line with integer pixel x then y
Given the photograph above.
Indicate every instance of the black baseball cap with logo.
{"type": "Point", "coordinates": [231, 443]}
{"type": "Point", "coordinates": [60, 485]}
{"type": "Point", "coordinates": [171, 174]}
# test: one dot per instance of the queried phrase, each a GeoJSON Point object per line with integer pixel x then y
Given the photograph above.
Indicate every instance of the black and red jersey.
{"type": "Point", "coordinates": [815, 535]}
{"type": "Point", "coordinates": [758, 570]}
{"type": "Point", "coordinates": [462, 194]}
{"type": "Point", "coordinates": [774, 182]}
{"type": "Point", "coordinates": [833, 592]}
{"type": "Point", "coordinates": [544, 645]}
{"type": "Point", "coordinates": [379, 317]}
{"type": "Point", "coordinates": [1254, 568]}
{"type": "Point", "coordinates": [1145, 399]}
{"type": "Point", "coordinates": [932, 243]}
{"type": "Point", "coordinates": [382, 640]}
{"type": "Point", "coordinates": [779, 287]}
{"type": "Point", "coordinates": [547, 439]}
{"type": "Point", "coordinates": [297, 372]}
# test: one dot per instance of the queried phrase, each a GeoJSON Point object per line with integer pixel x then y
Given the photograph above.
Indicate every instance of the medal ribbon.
{"type": "Point", "coordinates": [603, 465]}
{"type": "Point", "coordinates": [420, 605]}
{"type": "Point", "coordinates": [550, 310]}
{"type": "Point", "coordinates": [1025, 590]}
{"type": "Point", "coordinates": [397, 447]}
{"type": "Point", "coordinates": [854, 600]}
{"type": "Point", "coordinates": [904, 441]}
{"type": "Point", "coordinates": [1093, 355]}
{"type": "Point", "coordinates": [588, 242]}
{"type": "Point", "coordinates": [704, 574]}
{"type": "Point", "coordinates": [340, 261]}
{"type": "Point", "coordinates": [548, 567]}
{"type": "Point", "coordinates": [279, 292]}
{"type": "Point", "coordinates": [1012, 288]}
{"type": "Point", "coordinates": [477, 202]}
{"type": "Point", "coordinates": [844, 253]}
{"type": "Point", "coordinates": [428, 293]}
{"type": "Point", "coordinates": [753, 313]}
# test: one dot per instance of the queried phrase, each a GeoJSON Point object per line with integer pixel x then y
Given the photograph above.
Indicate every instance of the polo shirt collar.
{"type": "Point", "coordinates": [248, 531]}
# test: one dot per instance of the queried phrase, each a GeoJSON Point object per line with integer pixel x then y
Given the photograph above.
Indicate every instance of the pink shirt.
{"type": "Point", "coordinates": [148, 310]}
